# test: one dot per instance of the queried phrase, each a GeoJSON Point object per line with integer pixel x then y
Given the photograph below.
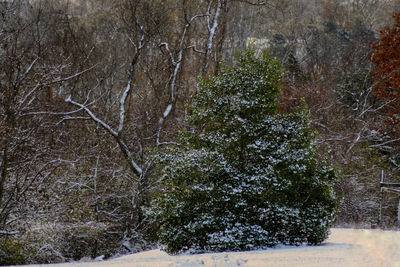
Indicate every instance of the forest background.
{"type": "Point", "coordinates": [88, 88]}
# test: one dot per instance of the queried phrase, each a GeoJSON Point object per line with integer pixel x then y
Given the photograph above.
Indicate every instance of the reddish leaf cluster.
{"type": "Point", "coordinates": [387, 72]}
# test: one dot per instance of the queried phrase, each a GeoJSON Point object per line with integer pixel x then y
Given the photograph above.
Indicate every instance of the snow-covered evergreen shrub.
{"type": "Point", "coordinates": [250, 178]}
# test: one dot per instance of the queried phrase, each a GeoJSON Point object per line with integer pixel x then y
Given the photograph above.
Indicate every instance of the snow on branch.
{"type": "Point", "coordinates": [52, 113]}
{"type": "Point", "coordinates": [27, 96]}
{"type": "Point", "coordinates": [117, 133]}
{"type": "Point", "coordinates": [176, 62]}
{"type": "Point", "coordinates": [167, 110]}
{"type": "Point", "coordinates": [125, 149]}
{"type": "Point", "coordinates": [67, 118]}
{"type": "Point", "coordinates": [212, 30]}
{"type": "Point", "coordinates": [127, 90]}
{"type": "Point", "coordinates": [169, 52]}
{"type": "Point", "coordinates": [2, 232]}
{"type": "Point", "coordinates": [256, 3]}
{"type": "Point", "coordinates": [28, 70]}
{"type": "Point", "coordinates": [70, 77]}
{"type": "Point", "coordinates": [39, 85]}
{"type": "Point", "coordinates": [122, 107]}
{"type": "Point", "coordinates": [94, 118]}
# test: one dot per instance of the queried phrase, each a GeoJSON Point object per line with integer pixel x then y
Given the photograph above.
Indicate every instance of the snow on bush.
{"type": "Point", "coordinates": [247, 177]}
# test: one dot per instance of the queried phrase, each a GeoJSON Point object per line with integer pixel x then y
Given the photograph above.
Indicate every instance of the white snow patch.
{"type": "Point", "coordinates": [344, 247]}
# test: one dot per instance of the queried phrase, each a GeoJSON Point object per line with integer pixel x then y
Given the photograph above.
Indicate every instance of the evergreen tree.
{"type": "Point", "coordinates": [249, 177]}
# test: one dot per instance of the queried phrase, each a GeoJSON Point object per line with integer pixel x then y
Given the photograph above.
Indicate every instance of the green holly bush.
{"type": "Point", "coordinates": [247, 177]}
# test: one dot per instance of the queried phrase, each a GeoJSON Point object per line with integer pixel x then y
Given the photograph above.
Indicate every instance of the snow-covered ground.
{"type": "Point", "coordinates": [344, 247]}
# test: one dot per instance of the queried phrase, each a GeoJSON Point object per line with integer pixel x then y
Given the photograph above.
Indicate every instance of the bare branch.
{"type": "Point", "coordinates": [370, 109]}
{"type": "Point", "coordinates": [90, 113]}
{"type": "Point", "coordinates": [169, 52]}
{"type": "Point", "coordinates": [255, 2]}
{"type": "Point", "coordinates": [71, 118]}
{"type": "Point", "coordinates": [195, 49]}
{"type": "Point", "coordinates": [122, 107]}
{"type": "Point", "coordinates": [178, 61]}
{"type": "Point", "coordinates": [385, 143]}
{"type": "Point", "coordinates": [28, 70]}
{"type": "Point", "coordinates": [70, 77]}
{"type": "Point", "coordinates": [212, 31]}
{"type": "Point", "coordinates": [51, 113]}
{"type": "Point", "coordinates": [209, 15]}
{"type": "Point", "coordinates": [131, 77]}
{"type": "Point", "coordinates": [355, 140]}
{"type": "Point", "coordinates": [2, 232]}
{"type": "Point", "coordinates": [128, 156]}
{"type": "Point", "coordinates": [34, 89]}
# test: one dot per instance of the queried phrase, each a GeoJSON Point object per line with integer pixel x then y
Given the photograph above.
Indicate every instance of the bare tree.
{"type": "Point", "coordinates": [27, 78]}
{"type": "Point", "coordinates": [139, 103]}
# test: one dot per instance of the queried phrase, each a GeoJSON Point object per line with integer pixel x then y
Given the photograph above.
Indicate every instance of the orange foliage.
{"type": "Point", "coordinates": [387, 72]}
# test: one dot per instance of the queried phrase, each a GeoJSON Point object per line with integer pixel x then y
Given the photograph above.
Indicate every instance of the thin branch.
{"type": "Point", "coordinates": [125, 150]}
{"type": "Point", "coordinates": [177, 64]}
{"type": "Point", "coordinates": [51, 113]}
{"type": "Point", "coordinates": [212, 31]}
{"type": "Point", "coordinates": [209, 15]}
{"type": "Point", "coordinates": [355, 140]}
{"type": "Point", "coordinates": [195, 49]}
{"type": "Point", "coordinates": [90, 113]}
{"type": "Point", "coordinates": [28, 70]}
{"type": "Point", "coordinates": [169, 52]}
{"type": "Point", "coordinates": [131, 77]}
{"type": "Point", "coordinates": [72, 118]}
{"type": "Point", "coordinates": [385, 143]}
{"type": "Point", "coordinates": [39, 84]}
{"type": "Point", "coordinates": [369, 109]}
{"type": "Point", "coordinates": [34, 89]}
{"type": "Point", "coordinates": [122, 107]}
{"type": "Point", "coordinates": [255, 3]}
{"type": "Point", "coordinates": [70, 77]}
{"type": "Point", "coordinates": [2, 232]}
{"type": "Point", "coordinates": [167, 143]}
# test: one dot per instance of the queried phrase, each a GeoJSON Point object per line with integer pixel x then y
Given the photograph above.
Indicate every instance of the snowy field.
{"type": "Point", "coordinates": [344, 247]}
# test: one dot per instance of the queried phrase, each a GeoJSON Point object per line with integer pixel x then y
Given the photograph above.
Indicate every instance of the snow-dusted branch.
{"type": "Point", "coordinates": [255, 3]}
{"type": "Point", "coordinates": [2, 232]}
{"type": "Point", "coordinates": [94, 118]}
{"type": "Point", "coordinates": [117, 133]}
{"type": "Point", "coordinates": [356, 139]}
{"type": "Point", "coordinates": [177, 64]}
{"type": "Point", "coordinates": [127, 90]}
{"type": "Point", "coordinates": [68, 118]}
{"type": "Point", "coordinates": [385, 143]}
{"type": "Point", "coordinates": [125, 150]}
{"type": "Point", "coordinates": [52, 113]}
{"type": "Point", "coordinates": [29, 94]}
{"type": "Point", "coordinates": [70, 77]}
{"type": "Point", "coordinates": [212, 32]}
{"type": "Point", "coordinates": [161, 122]}
{"type": "Point", "coordinates": [195, 49]}
{"type": "Point", "coordinates": [28, 70]}
{"type": "Point", "coordinates": [169, 52]}
{"type": "Point", "coordinates": [122, 107]}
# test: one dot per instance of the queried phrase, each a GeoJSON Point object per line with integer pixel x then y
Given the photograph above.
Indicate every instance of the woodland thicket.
{"type": "Point", "coordinates": [91, 90]}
